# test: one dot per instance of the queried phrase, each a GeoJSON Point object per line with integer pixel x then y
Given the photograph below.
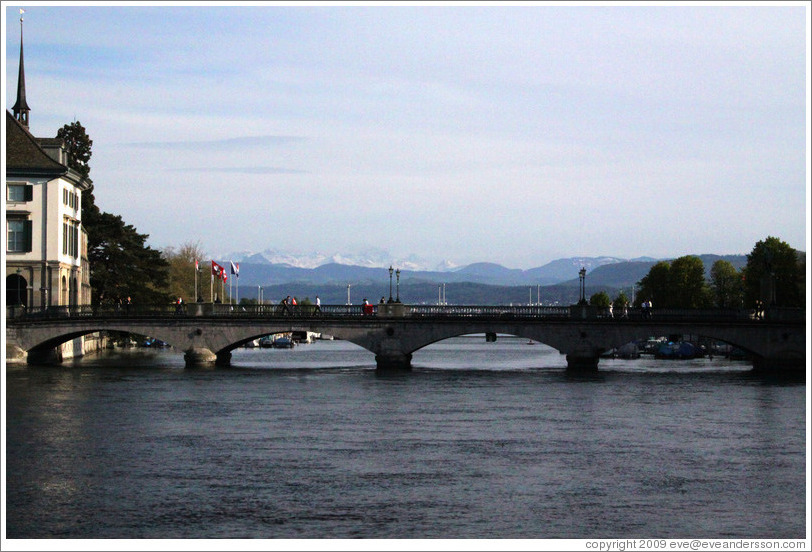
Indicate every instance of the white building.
{"type": "Point", "coordinates": [46, 246]}
{"type": "Point", "coordinates": [45, 241]}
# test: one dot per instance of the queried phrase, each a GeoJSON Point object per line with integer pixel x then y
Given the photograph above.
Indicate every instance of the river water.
{"type": "Point", "coordinates": [480, 440]}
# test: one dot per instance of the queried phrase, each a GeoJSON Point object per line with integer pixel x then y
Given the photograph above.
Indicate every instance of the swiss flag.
{"type": "Point", "coordinates": [217, 270]}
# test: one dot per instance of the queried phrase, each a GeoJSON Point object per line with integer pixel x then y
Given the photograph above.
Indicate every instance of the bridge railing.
{"type": "Point", "coordinates": [217, 310]}
{"type": "Point", "coordinates": [274, 311]}
{"type": "Point", "coordinates": [488, 311]}
{"type": "Point", "coordinates": [526, 312]}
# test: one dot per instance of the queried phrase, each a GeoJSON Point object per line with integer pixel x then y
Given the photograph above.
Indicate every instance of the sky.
{"type": "Point", "coordinates": [514, 134]}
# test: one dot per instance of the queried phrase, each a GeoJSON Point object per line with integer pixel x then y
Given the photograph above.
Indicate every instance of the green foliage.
{"type": "Point", "coordinates": [654, 286]}
{"type": "Point", "coordinates": [774, 273]}
{"type": "Point", "coordinates": [600, 299]}
{"type": "Point", "coordinates": [687, 283]}
{"type": "Point", "coordinates": [726, 285]}
{"type": "Point", "coordinates": [79, 146]}
{"type": "Point", "coordinates": [679, 284]}
{"type": "Point", "coordinates": [620, 302]}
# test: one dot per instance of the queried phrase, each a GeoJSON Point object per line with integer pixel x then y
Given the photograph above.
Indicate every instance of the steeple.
{"type": "Point", "coordinates": [21, 108]}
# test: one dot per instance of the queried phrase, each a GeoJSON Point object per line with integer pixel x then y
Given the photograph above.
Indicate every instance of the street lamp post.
{"type": "Point", "coordinates": [582, 277]}
{"type": "Point", "coordinates": [397, 274]}
{"type": "Point", "coordinates": [390, 283]}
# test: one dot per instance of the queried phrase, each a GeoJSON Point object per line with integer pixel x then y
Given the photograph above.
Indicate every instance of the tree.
{"type": "Point", "coordinates": [726, 284]}
{"type": "Point", "coordinates": [600, 299]}
{"type": "Point", "coordinates": [774, 275]}
{"type": "Point", "coordinates": [79, 146]}
{"type": "Point", "coordinates": [620, 302]}
{"type": "Point", "coordinates": [678, 284]}
{"type": "Point", "coordinates": [181, 274]}
{"type": "Point", "coordinates": [687, 283]}
{"type": "Point", "coordinates": [654, 286]}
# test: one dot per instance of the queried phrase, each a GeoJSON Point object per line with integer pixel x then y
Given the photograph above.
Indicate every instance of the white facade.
{"type": "Point", "coordinates": [45, 241]}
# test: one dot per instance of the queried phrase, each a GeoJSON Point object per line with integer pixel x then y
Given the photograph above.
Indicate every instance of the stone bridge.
{"type": "Point", "coordinates": [208, 333]}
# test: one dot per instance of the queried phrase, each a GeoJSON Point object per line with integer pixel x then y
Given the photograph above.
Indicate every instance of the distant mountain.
{"type": "Point", "coordinates": [489, 271]}
{"type": "Point", "coordinates": [256, 270]}
{"type": "Point", "coordinates": [617, 275]}
{"type": "Point", "coordinates": [562, 270]}
{"type": "Point", "coordinates": [446, 266]}
{"type": "Point", "coordinates": [607, 272]}
{"type": "Point", "coordinates": [368, 259]}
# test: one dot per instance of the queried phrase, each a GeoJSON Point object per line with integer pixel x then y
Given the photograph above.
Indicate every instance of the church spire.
{"type": "Point", "coordinates": [21, 108]}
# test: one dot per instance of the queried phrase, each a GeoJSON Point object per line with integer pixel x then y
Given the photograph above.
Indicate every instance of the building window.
{"type": "Point", "coordinates": [18, 232]}
{"type": "Point", "coordinates": [19, 193]}
{"type": "Point", "coordinates": [70, 238]}
{"type": "Point", "coordinates": [70, 199]}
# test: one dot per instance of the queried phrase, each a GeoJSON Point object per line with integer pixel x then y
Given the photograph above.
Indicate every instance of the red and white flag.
{"type": "Point", "coordinates": [217, 270]}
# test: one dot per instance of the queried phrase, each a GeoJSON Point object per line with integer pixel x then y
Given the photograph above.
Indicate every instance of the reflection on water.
{"type": "Point", "coordinates": [479, 440]}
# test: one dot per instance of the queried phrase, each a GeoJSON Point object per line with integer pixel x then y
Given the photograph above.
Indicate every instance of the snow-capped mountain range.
{"type": "Point", "coordinates": [272, 267]}
{"type": "Point", "coordinates": [277, 266]}
{"type": "Point", "coordinates": [367, 259]}
{"type": "Point", "coordinates": [382, 259]}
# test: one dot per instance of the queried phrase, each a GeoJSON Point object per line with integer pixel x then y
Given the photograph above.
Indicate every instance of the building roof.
{"type": "Point", "coordinates": [21, 105]}
{"type": "Point", "coordinates": [21, 108]}
{"type": "Point", "coordinates": [25, 156]}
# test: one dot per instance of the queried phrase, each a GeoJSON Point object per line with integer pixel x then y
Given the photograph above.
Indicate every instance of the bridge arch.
{"type": "Point", "coordinates": [731, 336]}
{"type": "Point", "coordinates": [210, 337]}
{"type": "Point", "coordinates": [480, 350]}
{"type": "Point", "coordinates": [240, 338]}
{"type": "Point", "coordinates": [47, 351]}
{"type": "Point", "coordinates": [522, 333]}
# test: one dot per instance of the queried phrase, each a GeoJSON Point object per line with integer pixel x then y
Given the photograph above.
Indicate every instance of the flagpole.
{"type": "Point", "coordinates": [212, 282]}
{"type": "Point", "coordinates": [196, 295]}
